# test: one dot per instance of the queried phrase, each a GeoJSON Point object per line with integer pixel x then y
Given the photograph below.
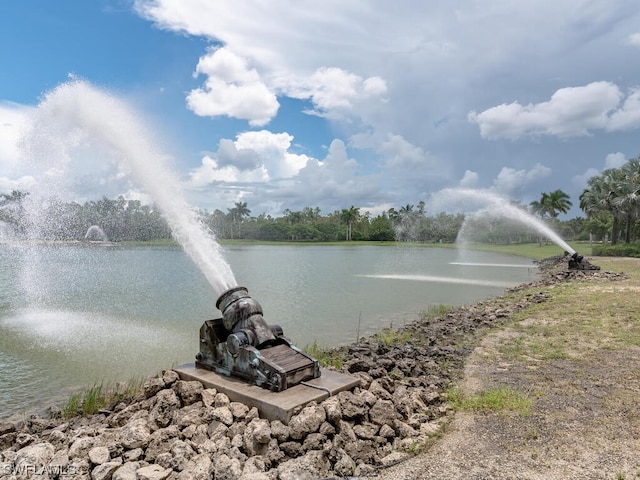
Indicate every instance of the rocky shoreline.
{"type": "Point", "coordinates": [176, 429]}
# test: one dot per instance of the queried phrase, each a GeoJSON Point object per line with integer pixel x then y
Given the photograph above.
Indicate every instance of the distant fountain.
{"type": "Point", "coordinates": [77, 128]}
{"type": "Point", "coordinates": [95, 233]}
{"type": "Point", "coordinates": [483, 202]}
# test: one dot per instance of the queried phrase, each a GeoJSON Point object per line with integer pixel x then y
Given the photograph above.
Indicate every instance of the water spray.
{"type": "Point", "coordinates": [76, 115]}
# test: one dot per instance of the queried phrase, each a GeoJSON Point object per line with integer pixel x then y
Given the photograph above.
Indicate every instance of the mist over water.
{"type": "Point", "coordinates": [482, 203]}
{"type": "Point", "coordinates": [79, 134]}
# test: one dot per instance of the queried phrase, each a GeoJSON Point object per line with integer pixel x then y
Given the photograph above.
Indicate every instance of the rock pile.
{"type": "Point", "coordinates": [176, 429]}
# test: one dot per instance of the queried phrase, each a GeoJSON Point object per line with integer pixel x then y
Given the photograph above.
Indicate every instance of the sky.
{"type": "Point", "coordinates": [374, 104]}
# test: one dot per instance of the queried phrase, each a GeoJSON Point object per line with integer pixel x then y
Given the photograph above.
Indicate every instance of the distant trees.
{"type": "Point", "coordinates": [120, 219]}
{"type": "Point", "coordinates": [12, 210]}
{"type": "Point", "coordinates": [610, 202]}
{"type": "Point", "coordinates": [614, 197]}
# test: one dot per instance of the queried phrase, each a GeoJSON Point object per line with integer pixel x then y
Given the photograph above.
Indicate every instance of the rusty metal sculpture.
{"type": "Point", "coordinates": [241, 344]}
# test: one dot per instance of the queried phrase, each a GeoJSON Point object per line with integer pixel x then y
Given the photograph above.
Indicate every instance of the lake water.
{"type": "Point", "coordinates": [72, 316]}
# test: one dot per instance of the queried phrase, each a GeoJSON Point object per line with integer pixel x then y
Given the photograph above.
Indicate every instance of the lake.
{"type": "Point", "coordinates": [75, 315]}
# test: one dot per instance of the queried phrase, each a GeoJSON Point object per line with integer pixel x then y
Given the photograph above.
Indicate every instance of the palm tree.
{"type": "Point", "coordinates": [627, 198]}
{"type": "Point", "coordinates": [237, 213]}
{"type": "Point", "coordinates": [599, 197]}
{"type": "Point", "coordinates": [552, 204]}
{"type": "Point", "coordinates": [349, 217]}
{"type": "Point", "coordinates": [558, 202]}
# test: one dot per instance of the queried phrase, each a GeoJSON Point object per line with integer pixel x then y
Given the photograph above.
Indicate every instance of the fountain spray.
{"type": "Point", "coordinates": [240, 343]}
{"type": "Point", "coordinates": [495, 205]}
{"type": "Point", "coordinates": [77, 115]}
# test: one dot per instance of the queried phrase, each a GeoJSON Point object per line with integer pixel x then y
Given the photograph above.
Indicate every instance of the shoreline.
{"type": "Point", "coordinates": [399, 410]}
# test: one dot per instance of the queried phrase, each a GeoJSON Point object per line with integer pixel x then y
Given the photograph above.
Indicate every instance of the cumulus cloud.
{"type": "Point", "coordinates": [333, 182]}
{"type": "Point", "coordinates": [626, 117]}
{"type": "Point", "coordinates": [233, 89]}
{"type": "Point", "coordinates": [279, 51]}
{"type": "Point", "coordinates": [333, 90]}
{"type": "Point", "coordinates": [612, 160]}
{"type": "Point", "coordinates": [580, 181]}
{"type": "Point", "coordinates": [469, 180]}
{"type": "Point", "coordinates": [634, 39]}
{"type": "Point", "coordinates": [241, 159]}
{"type": "Point", "coordinates": [13, 119]}
{"type": "Point", "coordinates": [571, 111]}
{"type": "Point", "coordinates": [511, 181]}
{"type": "Point", "coordinates": [401, 154]}
{"type": "Point", "coordinates": [615, 160]}
{"type": "Point", "coordinates": [383, 70]}
{"type": "Point", "coordinates": [255, 156]}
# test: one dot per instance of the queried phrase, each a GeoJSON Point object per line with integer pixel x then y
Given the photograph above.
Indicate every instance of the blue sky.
{"type": "Point", "coordinates": [375, 104]}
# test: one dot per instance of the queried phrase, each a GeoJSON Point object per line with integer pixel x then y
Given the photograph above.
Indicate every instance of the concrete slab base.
{"type": "Point", "coordinates": [271, 405]}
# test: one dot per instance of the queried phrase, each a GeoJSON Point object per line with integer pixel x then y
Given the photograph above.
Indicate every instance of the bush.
{"type": "Point", "coordinates": [620, 250]}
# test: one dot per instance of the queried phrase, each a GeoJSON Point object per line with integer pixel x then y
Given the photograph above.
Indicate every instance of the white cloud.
{"type": "Point", "coordinates": [232, 89]}
{"type": "Point", "coordinates": [210, 172]}
{"type": "Point", "coordinates": [334, 91]}
{"type": "Point", "coordinates": [23, 183]}
{"type": "Point", "coordinates": [13, 119]}
{"type": "Point", "coordinates": [469, 180]}
{"type": "Point", "coordinates": [403, 155]}
{"type": "Point", "coordinates": [634, 39]}
{"type": "Point", "coordinates": [381, 70]}
{"type": "Point", "coordinates": [628, 116]}
{"type": "Point", "coordinates": [615, 160]}
{"type": "Point", "coordinates": [571, 111]}
{"type": "Point", "coordinates": [612, 160]}
{"type": "Point", "coordinates": [580, 181]}
{"type": "Point", "coordinates": [242, 159]}
{"type": "Point", "coordinates": [333, 182]}
{"type": "Point", "coordinates": [255, 156]}
{"type": "Point", "coordinates": [511, 181]}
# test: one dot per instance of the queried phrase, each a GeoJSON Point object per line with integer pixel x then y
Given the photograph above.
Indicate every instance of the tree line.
{"type": "Point", "coordinates": [119, 219]}
{"type": "Point", "coordinates": [611, 204]}
{"type": "Point", "coordinates": [129, 220]}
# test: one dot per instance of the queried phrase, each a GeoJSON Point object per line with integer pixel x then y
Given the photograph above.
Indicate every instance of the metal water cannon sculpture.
{"type": "Point", "coordinates": [578, 262]}
{"type": "Point", "coordinates": [241, 344]}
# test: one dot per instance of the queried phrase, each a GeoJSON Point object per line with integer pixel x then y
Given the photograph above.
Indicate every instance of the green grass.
{"type": "Point", "coordinates": [326, 356]}
{"type": "Point", "coordinates": [494, 400]}
{"type": "Point", "coordinates": [534, 251]}
{"type": "Point", "coordinates": [389, 336]}
{"type": "Point", "coordinates": [529, 250]}
{"type": "Point", "coordinates": [91, 400]}
{"type": "Point", "coordinates": [578, 318]}
{"type": "Point", "coordinates": [433, 311]}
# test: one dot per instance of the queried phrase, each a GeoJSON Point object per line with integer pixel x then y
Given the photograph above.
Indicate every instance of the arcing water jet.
{"type": "Point", "coordinates": [77, 128]}
{"type": "Point", "coordinates": [496, 206]}
{"type": "Point", "coordinates": [75, 114]}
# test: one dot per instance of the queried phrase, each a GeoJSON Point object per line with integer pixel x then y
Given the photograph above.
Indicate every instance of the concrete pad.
{"type": "Point", "coordinates": [271, 405]}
